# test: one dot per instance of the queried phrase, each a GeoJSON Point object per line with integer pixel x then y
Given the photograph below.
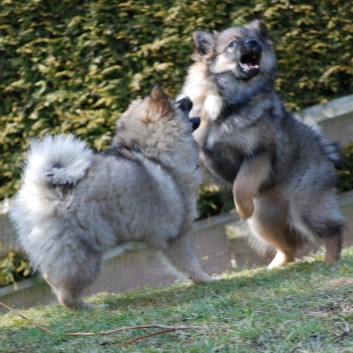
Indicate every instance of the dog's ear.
{"type": "Point", "coordinates": [258, 26]}
{"type": "Point", "coordinates": [159, 100]}
{"type": "Point", "coordinates": [203, 42]}
{"type": "Point", "coordinates": [158, 94]}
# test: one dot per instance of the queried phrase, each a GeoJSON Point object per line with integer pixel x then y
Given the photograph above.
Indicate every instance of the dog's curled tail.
{"type": "Point", "coordinates": [58, 160]}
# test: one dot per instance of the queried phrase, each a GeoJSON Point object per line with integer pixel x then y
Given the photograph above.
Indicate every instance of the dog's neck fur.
{"type": "Point", "coordinates": [244, 104]}
{"type": "Point", "coordinates": [242, 95]}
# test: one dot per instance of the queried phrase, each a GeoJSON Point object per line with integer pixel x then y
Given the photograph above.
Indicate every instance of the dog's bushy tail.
{"type": "Point", "coordinates": [332, 151]}
{"type": "Point", "coordinates": [58, 160]}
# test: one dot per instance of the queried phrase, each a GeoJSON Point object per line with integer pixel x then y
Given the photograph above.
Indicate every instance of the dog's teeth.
{"type": "Point", "coordinates": [247, 67]}
{"type": "Point", "coordinates": [244, 66]}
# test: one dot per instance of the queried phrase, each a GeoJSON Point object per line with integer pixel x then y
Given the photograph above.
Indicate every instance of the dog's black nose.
{"type": "Point", "coordinates": [185, 104]}
{"type": "Point", "coordinates": [195, 122]}
{"type": "Point", "coordinates": [252, 43]}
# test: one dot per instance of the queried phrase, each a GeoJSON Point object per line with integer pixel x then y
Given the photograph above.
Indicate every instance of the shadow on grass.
{"type": "Point", "coordinates": [246, 281]}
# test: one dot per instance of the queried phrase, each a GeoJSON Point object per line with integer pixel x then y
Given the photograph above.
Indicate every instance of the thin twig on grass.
{"type": "Point", "coordinates": [148, 335]}
{"type": "Point", "coordinates": [27, 319]}
{"type": "Point", "coordinates": [164, 328]}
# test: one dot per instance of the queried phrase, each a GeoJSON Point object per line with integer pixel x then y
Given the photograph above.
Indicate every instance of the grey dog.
{"type": "Point", "coordinates": [281, 170]}
{"type": "Point", "coordinates": [74, 204]}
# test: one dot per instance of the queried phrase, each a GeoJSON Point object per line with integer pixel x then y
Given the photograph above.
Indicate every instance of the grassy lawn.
{"type": "Point", "coordinates": [304, 307]}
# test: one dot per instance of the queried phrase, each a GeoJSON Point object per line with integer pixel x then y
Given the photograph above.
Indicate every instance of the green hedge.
{"type": "Point", "coordinates": [345, 170]}
{"type": "Point", "coordinates": [74, 65]}
{"type": "Point", "coordinates": [14, 267]}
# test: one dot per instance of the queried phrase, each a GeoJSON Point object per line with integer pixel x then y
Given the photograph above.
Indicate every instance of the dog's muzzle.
{"type": "Point", "coordinates": [195, 122]}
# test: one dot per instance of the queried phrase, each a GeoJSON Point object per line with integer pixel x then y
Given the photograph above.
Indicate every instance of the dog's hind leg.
{"type": "Point", "coordinates": [282, 257]}
{"type": "Point", "coordinates": [329, 231]}
{"type": "Point", "coordinates": [269, 224]}
{"type": "Point", "coordinates": [180, 253]}
{"type": "Point", "coordinates": [333, 246]}
{"type": "Point", "coordinates": [319, 217]}
{"type": "Point", "coordinates": [253, 173]}
{"type": "Point", "coordinates": [283, 239]}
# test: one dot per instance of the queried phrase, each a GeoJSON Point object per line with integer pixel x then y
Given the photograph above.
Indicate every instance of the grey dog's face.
{"type": "Point", "coordinates": [148, 120]}
{"type": "Point", "coordinates": [244, 51]}
{"type": "Point", "coordinates": [239, 51]}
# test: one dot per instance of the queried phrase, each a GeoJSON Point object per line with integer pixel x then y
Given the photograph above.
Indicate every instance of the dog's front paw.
{"type": "Point", "coordinates": [245, 207]}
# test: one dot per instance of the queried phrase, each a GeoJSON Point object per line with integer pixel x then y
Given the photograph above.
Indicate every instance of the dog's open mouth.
{"type": "Point", "coordinates": [249, 63]}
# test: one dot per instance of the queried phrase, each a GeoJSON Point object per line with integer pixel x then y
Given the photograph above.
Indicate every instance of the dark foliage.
{"type": "Point", "coordinates": [74, 65]}
{"type": "Point", "coordinates": [345, 170]}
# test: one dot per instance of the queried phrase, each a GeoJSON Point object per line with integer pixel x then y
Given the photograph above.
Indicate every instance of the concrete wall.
{"type": "Point", "coordinates": [335, 118]}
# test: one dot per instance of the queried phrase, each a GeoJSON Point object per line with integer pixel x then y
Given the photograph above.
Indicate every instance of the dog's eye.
{"type": "Point", "coordinates": [232, 44]}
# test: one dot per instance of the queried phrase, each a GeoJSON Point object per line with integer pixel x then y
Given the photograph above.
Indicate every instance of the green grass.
{"type": "Point", "coordinates": [305, 307]}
